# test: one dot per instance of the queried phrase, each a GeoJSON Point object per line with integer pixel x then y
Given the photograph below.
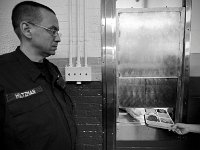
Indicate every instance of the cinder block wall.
{"type": "Point", "coordinates": [87, 99]}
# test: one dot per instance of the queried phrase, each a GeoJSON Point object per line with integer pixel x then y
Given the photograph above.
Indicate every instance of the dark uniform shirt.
{"type": "Point", "coordinates": [36, 112]}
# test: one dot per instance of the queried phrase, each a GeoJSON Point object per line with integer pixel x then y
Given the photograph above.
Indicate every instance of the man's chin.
{"type": "Point", "coordinates": [50, 53]}
{"type": "Point", "coordinates": [53, 50]}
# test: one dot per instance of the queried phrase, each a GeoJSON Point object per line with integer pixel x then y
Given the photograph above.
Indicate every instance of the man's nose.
{"type": "Point", "coordinates": [58, 37]}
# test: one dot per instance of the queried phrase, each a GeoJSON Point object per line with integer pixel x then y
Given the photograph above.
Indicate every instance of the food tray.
{"type": "Point", "coordinates": [158, 117]}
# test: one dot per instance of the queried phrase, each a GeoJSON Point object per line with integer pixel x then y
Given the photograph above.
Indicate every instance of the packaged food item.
{"type": "Point", "coordinates": [158, 117]}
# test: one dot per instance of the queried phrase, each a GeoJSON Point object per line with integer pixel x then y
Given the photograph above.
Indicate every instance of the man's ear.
{"type": "Point", "coordinates": [25, 29]}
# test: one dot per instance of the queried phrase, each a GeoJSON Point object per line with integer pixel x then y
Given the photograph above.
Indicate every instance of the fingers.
{"type": "Point", "coordinates": [178, 131]}
{"type": "Point", "coordinates": [175, 128]}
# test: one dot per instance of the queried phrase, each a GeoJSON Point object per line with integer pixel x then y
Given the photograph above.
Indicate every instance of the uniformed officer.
{"type": "Point", "coordinates": [35, 111]}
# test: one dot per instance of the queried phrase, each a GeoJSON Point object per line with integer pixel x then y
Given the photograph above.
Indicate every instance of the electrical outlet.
{"type": "Point", "coordinates": [78, 74]}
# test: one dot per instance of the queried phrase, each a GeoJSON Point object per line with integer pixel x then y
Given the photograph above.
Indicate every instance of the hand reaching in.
{"type": "Point", "coordinates": [180, 128]}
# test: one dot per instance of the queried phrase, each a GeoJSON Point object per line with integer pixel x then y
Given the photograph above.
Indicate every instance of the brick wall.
{"type": "Point", "coordinates": [194, 101]}
{"type": "Point", "coordinates": [87, 99]}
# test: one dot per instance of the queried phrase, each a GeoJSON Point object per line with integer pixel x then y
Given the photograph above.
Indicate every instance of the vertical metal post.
{"type": "Point", "coordinates": [108, 23]}
{"type": "Point", "coordinates": [188, 10]}
{"type": "Point", "coordinates": [181, 106]}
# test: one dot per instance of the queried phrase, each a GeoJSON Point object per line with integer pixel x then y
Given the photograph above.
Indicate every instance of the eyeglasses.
{"type": "Point", "coordinates": [53, 32]}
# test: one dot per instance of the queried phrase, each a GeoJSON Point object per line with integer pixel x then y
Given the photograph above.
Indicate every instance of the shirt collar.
{"type": "Point", "coordinates": [31, 68]}
{"type": "Point", "coordinates": [26, 63]}
{"type": "Point", "coordinates": [52, 71]}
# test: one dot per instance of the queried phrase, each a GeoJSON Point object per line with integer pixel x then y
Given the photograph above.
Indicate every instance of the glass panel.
{"type": "Point", "coordinates": [149, 58]}
{"type": "Point", "coordinates": [149, 44]}
{"type": "Point", "coordinates": [145, 92]}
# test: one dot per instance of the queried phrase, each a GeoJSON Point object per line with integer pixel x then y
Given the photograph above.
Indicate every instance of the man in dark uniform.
{"type": "Point", "coordinates": [35, 111]}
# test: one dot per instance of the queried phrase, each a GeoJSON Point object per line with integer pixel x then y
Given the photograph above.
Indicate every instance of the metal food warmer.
{"type": "Point", "coordinates": [145, 64]}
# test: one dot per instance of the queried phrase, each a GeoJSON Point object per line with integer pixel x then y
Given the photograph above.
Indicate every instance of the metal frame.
{"type": "Point", "coordinates": [186, 64]}
{"type": "Point", "coordinates": [108, 43]}
{"type": "Point", "coordinates": [181, 105]}
{"type": "Point", "coordinates": [181, 76]}
{"type": "Point", "coordinates": [108, 9]}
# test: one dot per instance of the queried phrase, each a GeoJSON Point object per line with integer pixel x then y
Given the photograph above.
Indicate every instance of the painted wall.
{"type": "Point", "coordinates": [91, 26]}
{"type": "Point", "coordinates": [195, 40]}
{"type": "Point", "coordinates": [82, 32]}
{"type": "Point", "coordinates": [92, 38]}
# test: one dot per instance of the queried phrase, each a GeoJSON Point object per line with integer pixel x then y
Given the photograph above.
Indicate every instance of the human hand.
{"type": "Point", "coordinates": [180, 128]}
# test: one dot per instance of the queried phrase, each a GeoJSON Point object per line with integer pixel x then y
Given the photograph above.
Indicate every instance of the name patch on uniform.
{"type": "Point", "coordinates": [24, 94]}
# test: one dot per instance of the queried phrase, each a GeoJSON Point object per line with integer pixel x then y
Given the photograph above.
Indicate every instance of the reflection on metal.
{"type": "Point", "coordinates": [133, 133]}
{"type": "Point", "coordinates": [181, 105]}
{"type": "Point", "coordinates": [150, 57]}
{"type": "Point", "coordinates": [145, 92]}
{"type": "Point", "coordinates": [108, 10]}
{"type": "Point", "coordinates": [149, 45]}
{"type": "Point", "coordinates": [147, 65]}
